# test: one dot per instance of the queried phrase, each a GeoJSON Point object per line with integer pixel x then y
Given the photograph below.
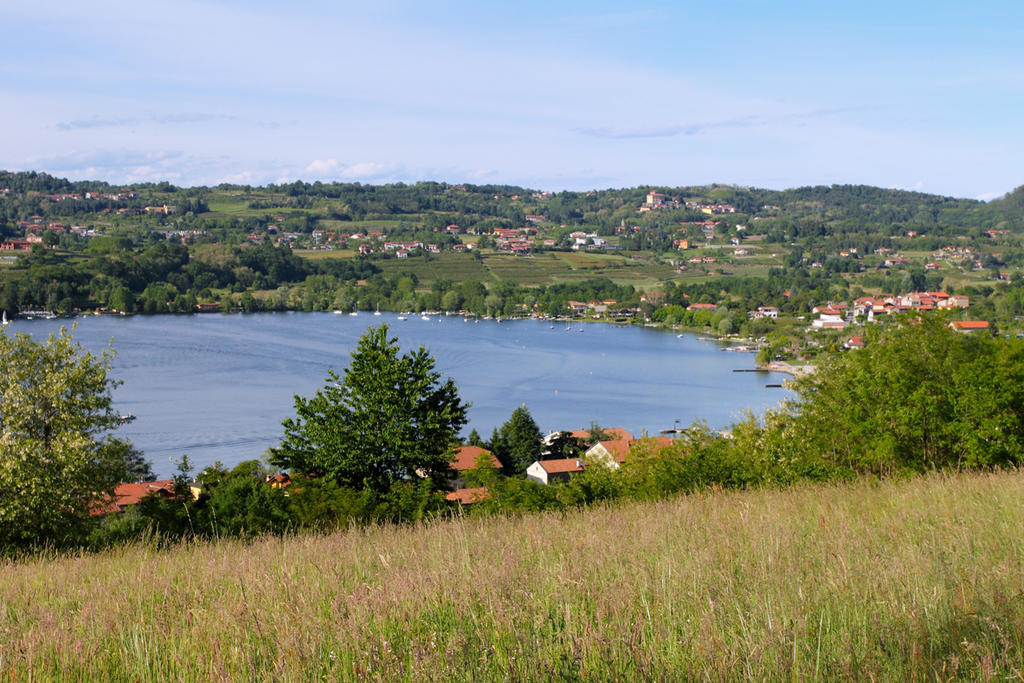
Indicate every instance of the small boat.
{"type": "Point", "coordinates": [402, 317]}
{"type": "Point", "coordinates": [127, 417]}
{"type": "Point", "coordinates": [4, 320]}
{"type": "Point", "coordinates": [338, 312]}
{"type": "Point", "coordinates": [425, 317]}
{"type": "Point", "coordinates": [377, 312]}
{"type": "Point", "coordinates": [354, 313]}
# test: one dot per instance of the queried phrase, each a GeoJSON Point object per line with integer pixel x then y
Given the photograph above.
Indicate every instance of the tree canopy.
{"type": "Point", "coordinates": [56, 458]}
{"type": "Point", "coordinates": [389, 418]}
{"type": "Point", "coordinates": [920, 396]}
{"type": "Point", "coordinates": [517, 443]}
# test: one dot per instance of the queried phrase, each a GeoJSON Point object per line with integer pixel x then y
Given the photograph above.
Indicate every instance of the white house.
{"type": "Point", "coordinates": [547, 471]}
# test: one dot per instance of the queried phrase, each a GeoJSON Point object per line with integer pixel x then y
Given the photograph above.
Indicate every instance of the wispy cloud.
{"type": "Point", "coordinates": [124, 122]}
{"type": "Point", "coordinates": [96, 122]}
{"type": "Point", "coordinates": [672, 129]}
{"type": "Point", "coordinates": [696, 128]}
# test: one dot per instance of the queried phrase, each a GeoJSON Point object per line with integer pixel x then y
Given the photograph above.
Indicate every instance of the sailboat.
{"type": "Point", "coordinates": [377, 312]}
{"type": "Point", "coordinates": [4, 320]}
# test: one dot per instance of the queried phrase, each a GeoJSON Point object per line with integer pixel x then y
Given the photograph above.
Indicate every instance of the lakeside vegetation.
{"type": "Point", "coordinates": [894, 580]}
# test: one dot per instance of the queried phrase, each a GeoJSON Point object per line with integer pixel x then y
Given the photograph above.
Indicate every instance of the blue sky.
{"type": "Point", "coordinates": [548, 95]}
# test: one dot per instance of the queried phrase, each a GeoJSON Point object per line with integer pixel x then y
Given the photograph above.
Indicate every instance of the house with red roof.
{"type": "Point", "coordinates": [613, 453]}
{"type": "Point", "coordinates": [559, 469]}
{"type": "Point", "coordinates": [969, 325]}
{"type": "Point", "coordinates": [466, 459]}
{"type": "Point", "coordinates": [126, 495]}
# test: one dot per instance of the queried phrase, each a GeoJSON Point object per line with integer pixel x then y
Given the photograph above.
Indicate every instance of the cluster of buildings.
{"type": "Point", "coordinates": [711, 208]}
{"type": "Point", "coordinates": [514, 240]}
{"type": "Point", "coordinates": [658, 200]}
{"type": "Point", "coordinates": [837, 316]}
{"type": "Point", "coordinates": [72, 196]}
{"type": "Point", "coordinates": [611, 453]}
{"type": "Point", "coordinates": [34, 229]}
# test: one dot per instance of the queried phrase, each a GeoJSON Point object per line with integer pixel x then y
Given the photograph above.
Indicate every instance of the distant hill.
{"type": "Point", "coordinates": [1013, 200]}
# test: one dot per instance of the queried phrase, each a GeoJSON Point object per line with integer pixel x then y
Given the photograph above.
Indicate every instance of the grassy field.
{"type": "Point", "coordinates": [895, 581]}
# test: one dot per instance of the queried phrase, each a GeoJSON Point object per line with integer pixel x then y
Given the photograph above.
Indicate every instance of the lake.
{"type": "Point", "coordinates": [216, 387]}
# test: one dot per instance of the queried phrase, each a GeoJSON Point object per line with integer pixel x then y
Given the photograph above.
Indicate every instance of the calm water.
{"type": "Point", "coordinates": [216, 387]}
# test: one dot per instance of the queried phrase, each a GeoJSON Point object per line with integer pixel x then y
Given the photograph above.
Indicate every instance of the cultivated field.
{"type": "Point", "coordinates": [893, 581]}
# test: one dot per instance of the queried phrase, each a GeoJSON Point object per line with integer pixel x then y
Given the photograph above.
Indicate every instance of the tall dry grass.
{"type": "Point", "coordinates": [898, 580]}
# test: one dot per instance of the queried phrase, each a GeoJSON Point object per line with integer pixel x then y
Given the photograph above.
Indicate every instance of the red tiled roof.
{"type": "Point", "coordinates": [561, 465]}
{"type": "Point", "coordinates": [614, 432]}
{"type": "Point", "coordinates": [466, 457]}
{"type": "Point", "coordinates": [619, 448]}
{"type": "Point", "coordinates": [131, 494]}
{"type": "Point", "coordinates": [970, 324]}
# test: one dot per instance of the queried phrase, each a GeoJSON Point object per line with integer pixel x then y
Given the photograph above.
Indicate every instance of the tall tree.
{"type": "Point", "coordinates": [389, 418]}
{"type": "Point", "coordinates": [518, 443]}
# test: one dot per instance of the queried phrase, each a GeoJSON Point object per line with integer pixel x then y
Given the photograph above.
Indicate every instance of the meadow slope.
{"type": "Point", "coordinates": [893, 580]}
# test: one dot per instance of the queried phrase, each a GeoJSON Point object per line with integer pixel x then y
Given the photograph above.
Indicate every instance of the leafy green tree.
{"type": "Point", "coordinates": [518, 443]}
{"type": "Point", "coordinates": [389, 419]}
{"type": "Point", "coordinates": [918, 397]}
{"type": "Point", "coordinates": [243, 503]}
{"type": "Point", "coordinates": [56, 460]}
{"type": "Point", "coordinates": [125, 458]}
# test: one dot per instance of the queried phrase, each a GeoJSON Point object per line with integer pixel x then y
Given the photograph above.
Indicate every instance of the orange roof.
{"type": "Point", "coordinates": [131, 494]}
{"type": "Point", "coordinates": [619, 448]}
{"type": "Point", "coordinates": [615, 432]}
{"type": "Point", "coordinates": [466, 457]}
{"type": "Point", "coordinates": [970, 324]}
{"type": "Point", "coordinates": [468, 496]}
{"type": "Point", "coordinates": [658, 442]}
{"type": "Point", "coordinates": [561, 465]}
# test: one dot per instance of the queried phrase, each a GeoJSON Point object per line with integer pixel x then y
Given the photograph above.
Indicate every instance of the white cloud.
{"type": "Point", "coordinates": [320, 167]}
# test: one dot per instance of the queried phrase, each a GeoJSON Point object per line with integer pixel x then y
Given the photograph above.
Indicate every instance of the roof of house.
{"type": "Point", "coordinates": [468, 496]}
{"type": "Point", "coordinates": [970, 324]}
{"type": "Point", "coordinates": [131, 494]}
{"type": "Point", "coordinates": [621, 448]}
{"type": "Point", "coordinates": [466, 457]}
{"type": "Point", "coordinates": [561, 465]}
{"type": "Point", "coordinates": [618, 448]}
{"type": "Point", "coordinates": [614, 432]}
